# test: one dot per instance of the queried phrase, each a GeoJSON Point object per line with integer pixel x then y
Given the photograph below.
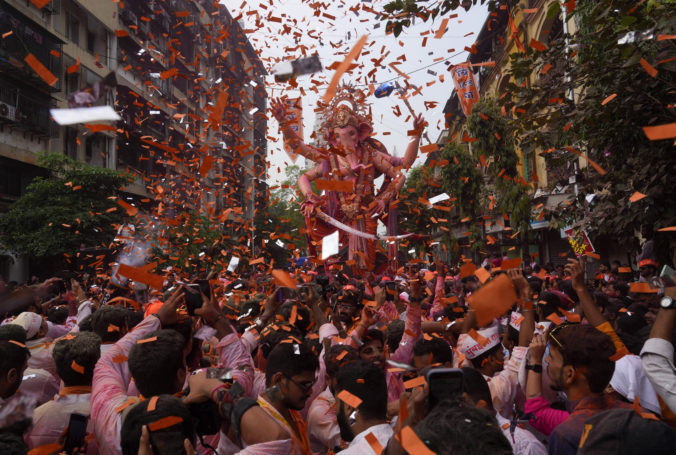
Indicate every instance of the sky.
{"type": "Point", "coordinates": [332, 35]}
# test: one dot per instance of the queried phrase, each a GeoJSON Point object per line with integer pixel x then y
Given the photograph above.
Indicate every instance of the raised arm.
{"type": "Point", "coordinates": [412, 149]}
{"type": "Point", "coordinates": [290, 136]}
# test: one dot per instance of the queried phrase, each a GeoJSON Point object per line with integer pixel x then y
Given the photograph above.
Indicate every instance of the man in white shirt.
{"type": "Point", "coordinates": [362, 408]}
{"type": "Point", "coordinates": [322, 422]}
{"type": "Point", "coordinates": [476, 391]}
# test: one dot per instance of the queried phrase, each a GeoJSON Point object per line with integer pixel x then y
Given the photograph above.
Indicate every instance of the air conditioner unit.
{"type": "Point", "coordinates": [7, 111]}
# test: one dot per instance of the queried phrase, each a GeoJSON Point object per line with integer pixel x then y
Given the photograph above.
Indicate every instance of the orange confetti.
{"type": "Point", "coordinates": [442, 28]}
{"type": "Point", "coordinates": [412, 443]}
{"type": "Point", "coordinates": [283, 279]}
{"type": "Point", "coordinates": [147, 340]}
{"type": "Point", "coordinates": [342, 186]}
{"type": "Point", "coordinates": [349, 399]}
{"type": "Point", "coordinates": [131, 210]}
{"type": "Point", "coordinates": [374, 443]}
{"type": "Point", "coordinates": [39, 4]}
{"type": "Point", "coordinates": [594, 164]}
{"type": "Point", "coordinates": [415, 382]}
{"type": "Point", "coordinates": [136, 274]}
{"type": "Point", "coordinates": [637, 196]}
{"type": "Point", "coordinates": [648, 68]}
{"type": "Point", "coordinates": [659, 132]}
{"type": "Point", "coordinates": [342, 68]}
{"type": "Point", "coordinates": [152, 403]}
{"type": "Point", "coordinates": [608, 99]}
{"type": "Point", "coordinates": [165, 422]}
{"type": "Point", "coordinates": [493, 299]}
{"type": "Point", "coordinates": [41, 70]}
{"type": "Point", "coordinates": [77, 368]}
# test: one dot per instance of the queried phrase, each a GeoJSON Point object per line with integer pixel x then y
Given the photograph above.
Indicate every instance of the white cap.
{"type": "Point", "coordinates": [515, 320]}
{"type": "Point", "coordinates": [472, 348]}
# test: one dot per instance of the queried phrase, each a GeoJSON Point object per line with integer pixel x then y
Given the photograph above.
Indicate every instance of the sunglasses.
{"type": "Point", "coordinates": [554, 331]}
{"type": "Point", "coordinates": [305, 386]}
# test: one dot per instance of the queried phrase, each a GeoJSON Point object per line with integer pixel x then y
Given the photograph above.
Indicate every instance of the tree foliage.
{"type": "Point", "coordinates": [495, 142]}
{"type": "Point", "coordinates": [614, 97]}
{"type": "Point", "coordinates": [74, 205]}
{"type": "Point", "coordinates": [402, 13]}
{"type": "Point", "coordinates": [282, 223]}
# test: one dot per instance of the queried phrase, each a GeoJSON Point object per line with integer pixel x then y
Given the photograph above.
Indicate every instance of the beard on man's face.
{"type": "Point", "coordinates": [346, 432]}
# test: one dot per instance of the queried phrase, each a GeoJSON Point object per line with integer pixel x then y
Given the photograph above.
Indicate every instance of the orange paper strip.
{"type": "Point", "coordinates": [442, 28]}
{"type": "Point", "coordinates": [41, 70]}
{"type": "Point", "coordinates": [482, 274]}
{"type": "Point", "coordinates": [493, 299]}
{"type": "Point", "coordinates": [165, 422]}
{"type": "Point", "coordinates": [343, 186]}
{"type": "Point", "coordinates": [354, 53]}
{"type": "Point", "coordinates": [136, 274]}
{"type": "Point", "coordinates": [656, 133]}
{"type": "Point", "coordinates": [637, 196]}
{"type": "Point", "coordinates": [349, 399]}
{"type": "Point", "coordinates": [415, 382]}
{"type": "Point", "coordinates": [283, 279]}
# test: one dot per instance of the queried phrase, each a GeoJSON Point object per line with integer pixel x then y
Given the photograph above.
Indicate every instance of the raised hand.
{"type": "Point", "coordinates": [576, 270]}
{"type": "Point", "coordinates": [278, 109]}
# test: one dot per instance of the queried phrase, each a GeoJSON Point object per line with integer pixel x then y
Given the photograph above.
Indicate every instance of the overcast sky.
{"type": "Point", "coordinates": [333, 38]}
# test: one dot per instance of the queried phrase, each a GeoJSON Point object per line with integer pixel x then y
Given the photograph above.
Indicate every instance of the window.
{"type": "Point", "coordinates": [70, 142]}
{"type": "Point", "coordinates": [91, 39]}
{"type": "Point", "coordinates": [72, 28]}
{"type": "Point", "coordinates": [73, 79]}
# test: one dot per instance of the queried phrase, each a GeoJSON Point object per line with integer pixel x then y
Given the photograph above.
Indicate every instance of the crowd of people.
{"type": "Point", "coordinates": [430, 359]}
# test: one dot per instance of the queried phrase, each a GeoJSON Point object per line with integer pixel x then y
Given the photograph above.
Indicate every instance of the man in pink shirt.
{"type": "Point", "coordinates": [75, 357]}
{"type": "Point", "coordinates": [156, 362]}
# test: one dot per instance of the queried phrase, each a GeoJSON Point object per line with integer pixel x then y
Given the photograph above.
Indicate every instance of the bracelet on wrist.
{"type": "Point", "coordinates": [535, 368]}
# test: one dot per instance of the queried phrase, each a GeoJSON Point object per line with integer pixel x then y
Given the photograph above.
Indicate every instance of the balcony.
{"type": "Point", "coordinates": [28, 37]}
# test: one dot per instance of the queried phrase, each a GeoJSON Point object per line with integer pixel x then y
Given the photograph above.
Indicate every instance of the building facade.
{"type": "Point", "coordinates": [187, 84]}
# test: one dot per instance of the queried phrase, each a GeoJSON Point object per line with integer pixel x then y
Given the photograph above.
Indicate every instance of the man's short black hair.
{"type": "Point", "coordinates": [170, 438]}
{"type": "Point", "coordinates": [335, 359]}
{"type": "Point", "coordinates": [11, 354]}
{"type": "Point", "coordinates": [584, 346]}
{"type": "Point", "coordinates": [273, 334]}
{"type": "Point", "coordinates": [109, 323]}
{"type": "Point", "coordinates": [57, 315]}
{"type": "Point", "coordinates": [395, 332]}
{"type": "Point", "coordinates": [374, 335]}
{"type": "Point", "coordinates": [290, 359]}
{"type": "Point", "coordinates": [154, 364]}
{"type": "Point", "coordinates": [478, 362]}
{"type": "Point", "coordinates": [82, 351]}
{"type": "Point", "coordinates": [367, 382]}
{"type": "Point", "coordinates": [303, 319]}
{"type": "Point", "coordinates": [476, 387]}
{"type": "Point", "coordinates": [440, 350]}
{"type": "Point", "coordinates": [450, 429]}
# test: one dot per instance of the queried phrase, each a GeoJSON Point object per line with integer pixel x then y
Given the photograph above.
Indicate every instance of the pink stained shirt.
{"type": "Point", "coordinates": [109, 388]}
{"type": "Point", "coordinates": [504, 385]}
{"type": "Point", "coordinates": [111, 380]}
{"type": "Point", "coordinates": [404, 353]}
{"type": "Point", "coordinates": [51, 419]}
{"type": "Point", "coordinates": [322, 424]}
{"type": "Point", "coordinates": [547, 418]}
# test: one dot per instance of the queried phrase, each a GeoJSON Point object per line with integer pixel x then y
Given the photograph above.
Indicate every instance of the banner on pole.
{"type": "Point", "coordinates": [465, 86]}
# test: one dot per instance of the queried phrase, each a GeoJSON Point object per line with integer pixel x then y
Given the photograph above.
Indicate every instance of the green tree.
{"type": "Point", "coordinates": [75, 204]}
{"type": "Point", "coordinates": [400, 14]}
{"type": "Point", "coordinates": [283, 217]}
{"type": "Point", "coordinates": [615, 96]}
{"type": "Point", "coordinates": [495, 143]}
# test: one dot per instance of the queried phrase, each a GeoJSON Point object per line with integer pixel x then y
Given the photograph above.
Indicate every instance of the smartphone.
{"type": "Point", "coordinates": [284, 294]}
{"type": "Point", "coordinates": [205, 287]}
{"type": "Point", "coordinates": [193, 298]}
{"type": "Point", "coordinates": [77, 430]}
{"type": "Point", "coordinates": [444, 384]}
{"type": "Point", "coordinates": [667, 275]}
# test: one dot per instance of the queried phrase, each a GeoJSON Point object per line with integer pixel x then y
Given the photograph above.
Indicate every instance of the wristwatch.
{"type": "Point", "coordinates": [667, 303]}
{"type": "Point", "coordinates": [535, 368]}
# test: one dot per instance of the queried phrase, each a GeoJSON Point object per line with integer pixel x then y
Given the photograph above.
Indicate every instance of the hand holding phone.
{"type": "Point", "coordinates": [444, 384]}
{"type": "Point", "coordinates": [77, 431]}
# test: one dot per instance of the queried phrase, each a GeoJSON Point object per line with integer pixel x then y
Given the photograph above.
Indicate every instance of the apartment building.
{"type": "Point", "coordinates": [170, 60]}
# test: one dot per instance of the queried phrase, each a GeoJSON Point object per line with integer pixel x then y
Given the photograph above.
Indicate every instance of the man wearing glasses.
{"type": "Point", "coordinates": [579, 364]}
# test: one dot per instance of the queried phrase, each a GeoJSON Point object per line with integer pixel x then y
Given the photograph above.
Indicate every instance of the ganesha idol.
{"type": "Point", "coordinates": [351, 155]}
